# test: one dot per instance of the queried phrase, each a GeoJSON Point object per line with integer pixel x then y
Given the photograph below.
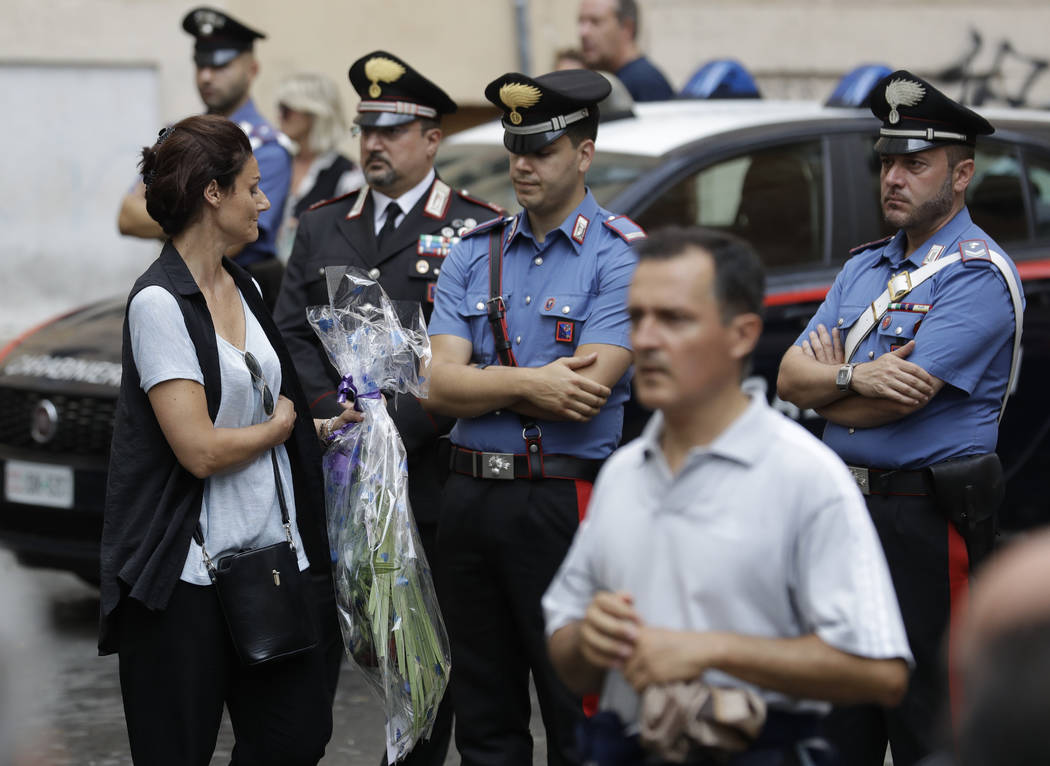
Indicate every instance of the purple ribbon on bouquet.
{"type": "Point", "coordinates": [347, 389]}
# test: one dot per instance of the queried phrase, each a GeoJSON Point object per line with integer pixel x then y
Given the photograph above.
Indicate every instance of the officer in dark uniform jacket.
{"type": "Point", "coordinates": [403, 248]}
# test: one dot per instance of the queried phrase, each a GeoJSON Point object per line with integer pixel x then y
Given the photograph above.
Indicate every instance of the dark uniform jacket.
{"type": "Point", "coordinates": [152, 502]}
{"type": "Point", "coordinates": [341, 232]}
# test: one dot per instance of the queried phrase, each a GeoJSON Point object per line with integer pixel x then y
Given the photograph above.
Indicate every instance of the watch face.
{"type": "Point", "coordinates": [843, 377]}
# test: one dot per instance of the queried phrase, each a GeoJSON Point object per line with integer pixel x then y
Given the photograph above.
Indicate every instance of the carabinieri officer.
{"type": "Point", "coordinates": [910, 359]}
{"type": "Point", "coordinates": [226, 67]}
{"type": "Point", "coordinates": [531, 350]}
{"type": "Point", "coordinates": [398, 228]}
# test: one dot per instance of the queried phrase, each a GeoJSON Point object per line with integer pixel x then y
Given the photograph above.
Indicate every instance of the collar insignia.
{"type": "Point", "coordinates": [359, 204]}
{"type": "Point", "coordinates": [437, 202]}
{"type": "Point", "coordinates": [518, 95]}
{"type": "Point", "coordinates": [903, 92]}
{"type": "Point", "coordinates": [933, 254]}
{"type": "Point", "coordinates": [579, 229]}
{"type": "Point", "coordinates": [381, 69]}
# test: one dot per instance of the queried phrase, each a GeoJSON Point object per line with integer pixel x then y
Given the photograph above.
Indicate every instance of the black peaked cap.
{"type": "Point", "coordinates": [537, 110]}
{"type": "Point", "coordinates": [916, 116]}
{"type": "Point", "coordinates": [392, 92]}
{"type": "Point", "coordinates": [220, 38]}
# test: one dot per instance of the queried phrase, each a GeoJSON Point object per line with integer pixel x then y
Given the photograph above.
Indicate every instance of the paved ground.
{"type": "Point", "coordinates": [70, 698]}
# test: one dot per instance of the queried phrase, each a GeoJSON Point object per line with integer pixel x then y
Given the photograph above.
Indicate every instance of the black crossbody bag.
{"type": "Point", "coordinates": [263, 595]}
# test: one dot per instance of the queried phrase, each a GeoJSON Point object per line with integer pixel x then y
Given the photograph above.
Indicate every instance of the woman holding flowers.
{"type": "Point", "coordinates": [208, 391]}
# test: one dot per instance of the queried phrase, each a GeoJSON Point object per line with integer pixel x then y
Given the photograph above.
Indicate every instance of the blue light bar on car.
{"type": "Point", "coordinates": [855, 87]}
{"type": "Point", "coordinates": [721, 78]}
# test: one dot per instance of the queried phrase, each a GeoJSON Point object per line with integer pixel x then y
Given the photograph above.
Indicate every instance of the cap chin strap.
{"type": "Point", "coordinates": [397, 107]}
{"type": "Point", "coordinates": [554, 123]}
{"type": "Point", "coordinates": [928, 134]}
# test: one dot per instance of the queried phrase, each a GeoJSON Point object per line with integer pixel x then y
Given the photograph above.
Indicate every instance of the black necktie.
{"type": "Point", "coordinates": [393, 210]}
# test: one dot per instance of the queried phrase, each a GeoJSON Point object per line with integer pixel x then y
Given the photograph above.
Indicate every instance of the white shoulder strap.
{"type": "Point", "coordinates": [897, 288]}
{"type": "Point", "coordinates": [905, 282]}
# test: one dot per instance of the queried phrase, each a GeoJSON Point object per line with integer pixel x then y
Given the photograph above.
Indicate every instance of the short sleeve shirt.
{"type": "Point", "coordinates": [569, 290]}
{"type": "Point", "coordinates": [644, 81]}
{"type": "Point", "coordinates": [962, 322]}
{"type": "Point", "coordinates": [275, 174]}
{"type": "Point", "coordinates": [239, 509]}
{"type": "Point", "coordinates": [763, 532]}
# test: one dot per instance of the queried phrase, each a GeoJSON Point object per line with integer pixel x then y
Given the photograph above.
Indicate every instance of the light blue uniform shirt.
{"type": "Point", "coordinates": [567, 291]}
{"type": "Point", "coordinates": [275, 169]}
{"type": "Point", "coordinates": [965, 339]}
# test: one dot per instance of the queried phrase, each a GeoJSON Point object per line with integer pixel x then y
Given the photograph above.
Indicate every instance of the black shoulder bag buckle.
{"type": "Point", "coordinates": [264, 597]}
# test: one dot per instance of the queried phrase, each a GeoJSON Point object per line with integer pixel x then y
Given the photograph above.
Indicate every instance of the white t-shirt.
{"type": "Point", "coordinates": [240, 509]}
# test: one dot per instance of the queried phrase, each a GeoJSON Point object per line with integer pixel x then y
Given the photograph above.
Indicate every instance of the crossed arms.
{"type": "Point", "coordinates": [883, 390]}
{"type": "Point", "coordinates": [572, 388]}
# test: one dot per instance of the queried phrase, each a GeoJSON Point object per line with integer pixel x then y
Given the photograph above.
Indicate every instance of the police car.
{"type": "Point", "coordinates": [798, 180]}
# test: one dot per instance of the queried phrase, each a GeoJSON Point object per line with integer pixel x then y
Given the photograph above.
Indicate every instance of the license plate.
{"type": "Point", "coordinates": [38, 484]}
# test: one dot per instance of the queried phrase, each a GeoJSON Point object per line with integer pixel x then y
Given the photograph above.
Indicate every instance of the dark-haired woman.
{"type": "Point", "coordinates": [208, 391]}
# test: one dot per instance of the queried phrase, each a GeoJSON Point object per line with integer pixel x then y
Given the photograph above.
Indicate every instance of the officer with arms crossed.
{"type": "Point", "coordinates": [226, 66]}
{"type": "Point", "coordinates": [398, 228]}
{"type": "Point", "coordinates": [667, 579]}
{"type": "Point", "coordinates": [531, 354]}
{"type": "Point", "coordinates": [912, 377]}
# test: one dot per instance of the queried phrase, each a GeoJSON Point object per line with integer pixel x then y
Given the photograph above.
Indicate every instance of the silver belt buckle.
{"type": "Point", "coordinates": [860, 475]}
{"type": "Point", "coordinates": [497, 465]}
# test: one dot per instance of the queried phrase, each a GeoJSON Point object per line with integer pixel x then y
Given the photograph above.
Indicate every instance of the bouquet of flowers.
{"type": "Point", "coordinates": [388, 611]}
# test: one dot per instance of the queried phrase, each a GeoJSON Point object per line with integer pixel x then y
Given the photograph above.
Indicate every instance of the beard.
{"type": "Point", "coordinates": [381, 176]}
{"type": "Point", "coordinates": [927, 213]}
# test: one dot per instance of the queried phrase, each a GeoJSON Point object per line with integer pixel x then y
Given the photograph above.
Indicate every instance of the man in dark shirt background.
{"type": "Point", "coordinates": [608, 39]}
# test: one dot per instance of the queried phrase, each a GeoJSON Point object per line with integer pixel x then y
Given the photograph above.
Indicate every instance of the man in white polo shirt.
{"type": "Point", "coordinates": [726, 543]}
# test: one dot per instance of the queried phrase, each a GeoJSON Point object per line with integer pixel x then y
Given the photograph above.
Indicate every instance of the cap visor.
{"type": "Point", "coordinates": [218, 57]}
{"type": "Point", "coordinates": [528, 144]}
{"type": "Point", "coordinates": [897, 145]}
{"type": "Point", "coordinates": [383, 119]}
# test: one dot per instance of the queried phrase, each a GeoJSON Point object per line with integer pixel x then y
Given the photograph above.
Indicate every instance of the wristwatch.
{"type": "Point", "coordinates": [844, 377]}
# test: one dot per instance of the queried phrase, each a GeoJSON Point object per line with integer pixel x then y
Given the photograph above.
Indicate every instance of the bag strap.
{"type": "Point", "coordinates": [903, 283]}
{"type": "Point", "coordinates": [198, 534]}
{"type": "Point", "coordinates": [497, 316]}
{"type": "Point", "coordinates": [497, 307]}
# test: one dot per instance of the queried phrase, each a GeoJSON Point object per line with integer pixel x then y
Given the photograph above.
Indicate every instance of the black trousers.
{"type": "Point", "coordinates": [930, 568]}
{"type": "Point", "coordinates": [178, 668]}
{"type": "Point", "coordinates": [500, 544]}
{"type": "Point", "coordinates": [786, 739]}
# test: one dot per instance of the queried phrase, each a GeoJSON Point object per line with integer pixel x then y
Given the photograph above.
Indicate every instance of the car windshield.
{"type": "Point", "coordinates": [481, 171]}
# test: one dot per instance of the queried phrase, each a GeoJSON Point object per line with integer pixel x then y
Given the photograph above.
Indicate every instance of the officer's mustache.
{"type": "Point", "coordinates": [377, 157]}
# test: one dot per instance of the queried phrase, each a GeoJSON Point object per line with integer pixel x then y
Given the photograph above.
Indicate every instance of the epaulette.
{"type": "Point", "coordinates": [486, 225]}
{"type": "Point", "coordinates": [869, 245]}
{"type": "Point", "coordinates": [625, 228]}
{"type": "Point", "coordinates": [494, 208]}
{"type": "Point", "coordinates": [287, 143]}
{"type": "Point", "coordinates": [324, 202]}
{"type": "Point", "coordinates": [972, 251]}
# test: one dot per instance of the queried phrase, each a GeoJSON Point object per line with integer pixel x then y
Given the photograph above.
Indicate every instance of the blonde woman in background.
{"type": "Point", "coordinates": [311, 114]}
